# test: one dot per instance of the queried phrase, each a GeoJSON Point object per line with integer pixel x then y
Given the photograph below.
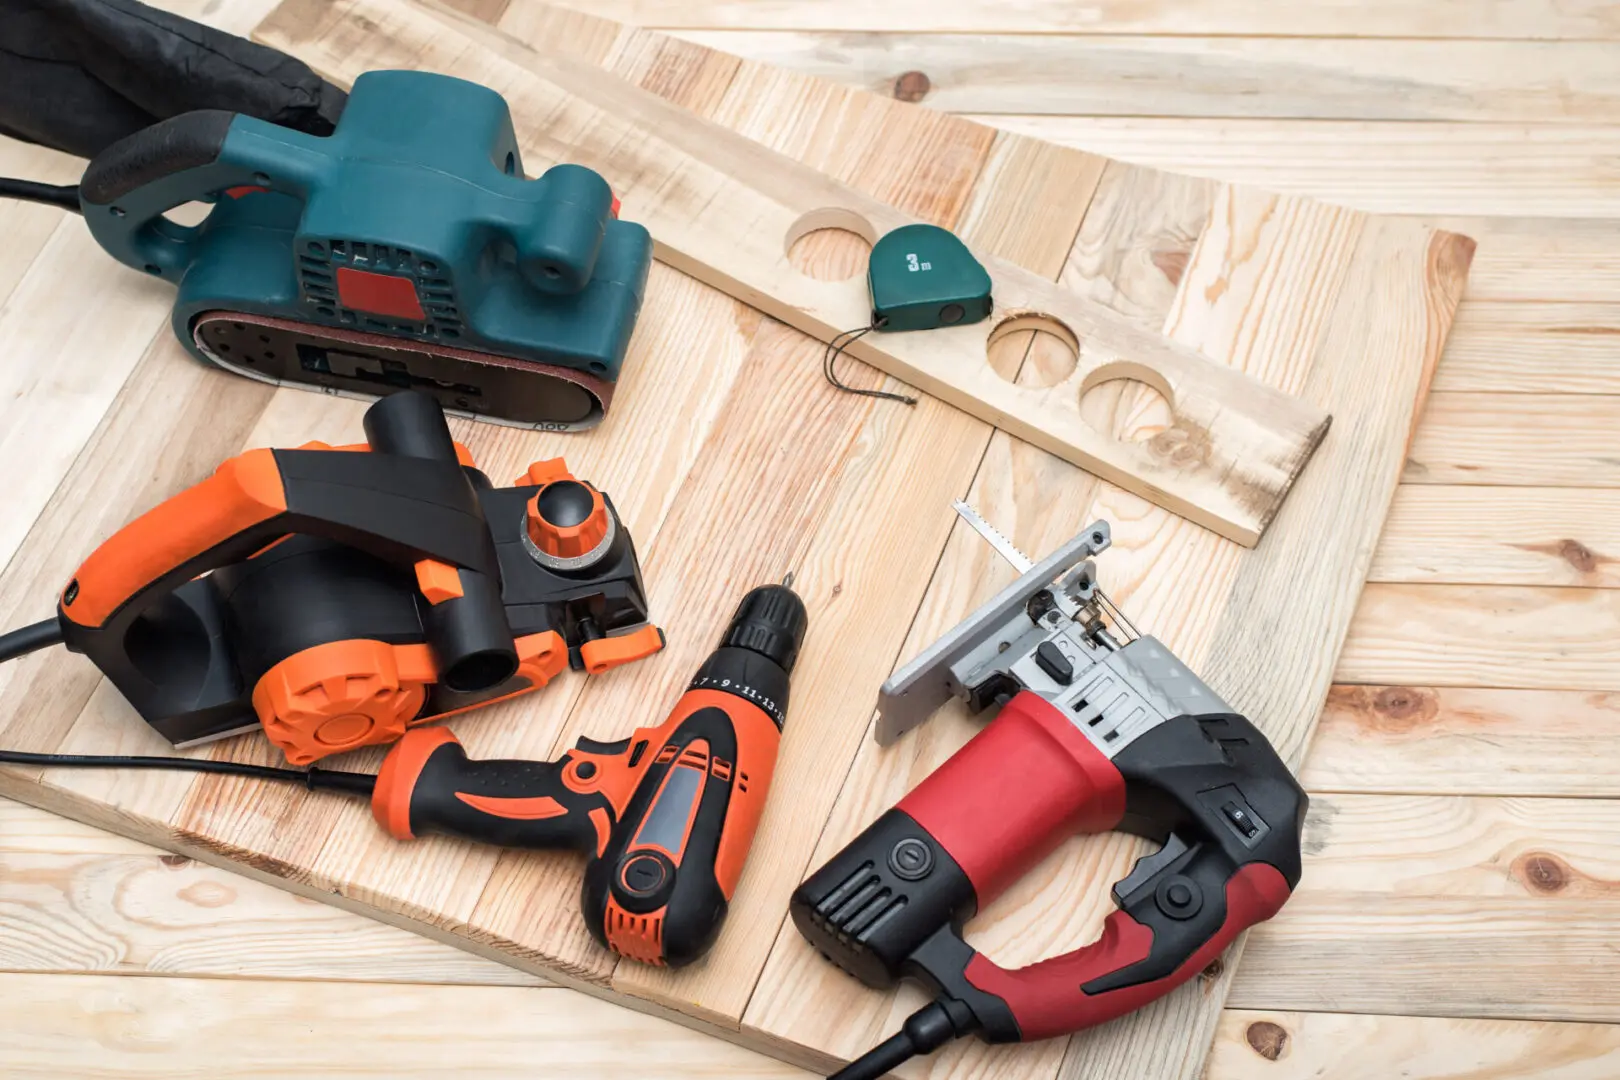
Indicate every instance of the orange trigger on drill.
{"type": "Point", "coordinates": [610, 652]}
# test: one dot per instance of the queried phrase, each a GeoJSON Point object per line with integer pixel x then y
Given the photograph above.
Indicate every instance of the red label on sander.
{"type": "Point", "coordinates": [379, 294]}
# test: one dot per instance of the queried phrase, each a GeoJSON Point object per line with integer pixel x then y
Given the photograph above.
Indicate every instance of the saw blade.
{"type": "Point", "coordinates": [1004, 547]}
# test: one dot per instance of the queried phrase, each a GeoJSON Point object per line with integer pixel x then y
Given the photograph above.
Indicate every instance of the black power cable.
{"type": "Point", "coordinates": [48, 632]}
{"type": "Point", "coordinates": [26, 639]}
{"type": "Point", "coordinates": [924, 1031]}
{"type": "Point", "coordinates": [65, 196]}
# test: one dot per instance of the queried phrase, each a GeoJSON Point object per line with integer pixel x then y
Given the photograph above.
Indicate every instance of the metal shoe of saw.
{"type": "Point", "coordinates": [1097, 728]}
{"type": "Point", "coordinates": [404, 251]}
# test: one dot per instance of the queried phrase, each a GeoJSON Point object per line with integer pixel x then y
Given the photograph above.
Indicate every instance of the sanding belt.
{"type": "Point", "coordinates": [78, 75]}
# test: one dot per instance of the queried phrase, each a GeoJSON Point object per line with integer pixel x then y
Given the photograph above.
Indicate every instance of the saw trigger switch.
{"type": "Point", "coordinates": [1051, 660]}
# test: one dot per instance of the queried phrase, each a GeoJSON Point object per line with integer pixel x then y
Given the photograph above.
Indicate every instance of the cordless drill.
{"type": "Point", "coordinates": [667, 815]}
{"type": "Point", "coordinates": [1093, 733]}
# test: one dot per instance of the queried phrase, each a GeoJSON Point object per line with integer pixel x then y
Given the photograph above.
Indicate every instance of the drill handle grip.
{"type": "Point", "coordinates": [428, 785]}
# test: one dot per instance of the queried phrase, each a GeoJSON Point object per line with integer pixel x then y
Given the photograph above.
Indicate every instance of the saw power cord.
{"type": "Point", "coordinates": [65, 196]}
{"type": "Point", "coordinates": [924, 1031]}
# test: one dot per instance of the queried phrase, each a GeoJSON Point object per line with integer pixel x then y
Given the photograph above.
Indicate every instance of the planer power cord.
{"type": "Point", "coordinates": [925, 1031]}
{"type": "Point", "coordinates": [48, 632]}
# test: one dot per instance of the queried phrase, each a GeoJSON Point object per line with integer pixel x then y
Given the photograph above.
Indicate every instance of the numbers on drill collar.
{"type": "Point", "coordinates": [769, 705]}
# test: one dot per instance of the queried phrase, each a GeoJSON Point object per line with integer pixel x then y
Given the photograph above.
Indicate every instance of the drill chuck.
{"type": "Point", "coordinates": [770, 621]}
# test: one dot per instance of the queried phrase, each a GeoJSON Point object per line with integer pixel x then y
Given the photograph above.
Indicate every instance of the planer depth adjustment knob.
{"type": "Point", "coordinates": [568, 526]}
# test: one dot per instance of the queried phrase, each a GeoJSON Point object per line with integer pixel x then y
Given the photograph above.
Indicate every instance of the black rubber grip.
{"type": "Point", "coordinates": [522, 804]}
{"type": "Point", "coordinates": [187, 141]}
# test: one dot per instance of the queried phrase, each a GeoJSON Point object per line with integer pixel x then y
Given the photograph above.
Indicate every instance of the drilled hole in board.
{"type": "Point", "coordinates": [1032, 349]}
{"type": "Point", "coordinates": [1126, 400]}
{"type": "Point", "coordinates": [831, 244]}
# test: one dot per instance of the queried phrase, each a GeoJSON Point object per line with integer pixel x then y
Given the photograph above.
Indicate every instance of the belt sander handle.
{"type": "Point", "coordinates": [129, 187]}
{"type": "Point", "coordinates": [452, 179]}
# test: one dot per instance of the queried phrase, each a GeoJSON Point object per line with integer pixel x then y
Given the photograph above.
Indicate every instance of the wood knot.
{"type": "Point", "coordinates": [1543, 872]}
{"type": "Point", "coordinates": [912, 86]}
{"type": "Point", "coordinates": [1172, 263]}
{"type": "Point", "coordinates": [1407, 705]}
{"type": "Point", "coordinates": [1216, 968]}
{"type": "Point", "coordinates": [174, 862]}
{"type": "Point", "coordinates": [1268, 1040]}
{"type": "Point", "coordinates": [1577, 555]}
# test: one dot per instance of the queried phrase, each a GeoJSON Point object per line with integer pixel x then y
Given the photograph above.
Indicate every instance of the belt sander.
{"type": "Point", "coordinates": [405, 250]}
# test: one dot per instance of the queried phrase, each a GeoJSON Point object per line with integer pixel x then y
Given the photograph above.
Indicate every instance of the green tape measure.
{"type": "Point", "coordinates": [922, 277]}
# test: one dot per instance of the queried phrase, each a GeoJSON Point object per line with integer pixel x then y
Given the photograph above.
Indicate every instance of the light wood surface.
{"type": "Point", "coordinates": [1536, 319]}
{"type": "Point", "coordinates": [727, 210]}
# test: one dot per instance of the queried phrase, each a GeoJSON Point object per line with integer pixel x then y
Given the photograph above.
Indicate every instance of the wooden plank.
{"type": "Point", "coordinates": [1268, 77]}
{"type": "Point", "coordinates": [1500, 536]}
{"type": "Point", "coordinates": [1567, 260]}
{"type": "Point", "coordinates": [102, 1027]}
{"type": "Point", "coordinates": [1391, 167]}
{"type": "Point", "coordinates": [1280, 678]}
{"type": "Point", "coordinates": [1559, 440]}
{"type": "Point", "coordinates": [1537, 19]}
{"type": "Point", "coordinates": [1334, 287]}
{"type": "Point", "coordinates": [1015, 929]}
{"type": "Point", "coordinates": [1446, 906]}
{"type": "Point", "coordinates": [66, 906]}
{"type": "Point", "coordinates": [726, 209]}
{"type": "Point", "coordinates": [1477, 635]}
{"type": "Point", "coordinates": [1465, 740]}
{"type": "Point", "coordinates": [1533, 347]}
{"type": "Point", "coordinates": [1338, 1046]}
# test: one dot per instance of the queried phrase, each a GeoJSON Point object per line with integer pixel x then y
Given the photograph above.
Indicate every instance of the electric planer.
{"type": "Point", "coordinates": [406, 250]}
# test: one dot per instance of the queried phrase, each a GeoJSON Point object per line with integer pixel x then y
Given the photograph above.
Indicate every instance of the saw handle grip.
{"type": "Point", "coordinates": [1102, 981]}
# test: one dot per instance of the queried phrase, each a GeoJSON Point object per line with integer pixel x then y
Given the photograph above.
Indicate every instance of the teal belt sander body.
{"type": "Point", "coordinates": [404, 251]}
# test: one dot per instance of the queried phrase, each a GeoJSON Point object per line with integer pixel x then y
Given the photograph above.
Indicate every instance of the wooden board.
{"type": "Point", "coordinates": [1161, 75]}
{"type": "Point", "coordinates": [728, 210]}
{"type": "Point", "coordinates": [1346, 310]}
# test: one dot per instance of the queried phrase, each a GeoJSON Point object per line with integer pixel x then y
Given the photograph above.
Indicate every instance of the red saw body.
{"type": "Point", "coordinates": [1092, 735]}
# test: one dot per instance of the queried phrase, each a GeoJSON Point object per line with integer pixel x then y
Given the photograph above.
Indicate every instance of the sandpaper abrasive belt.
{"type": "Point", "coordinates": [78, 75]}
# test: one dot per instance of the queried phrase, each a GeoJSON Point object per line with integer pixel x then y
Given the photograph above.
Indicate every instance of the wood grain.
{"type": "Point", "coordinates": [1532, 347]}
{"type": "Point", "coordinates": [1466, 740]}
{"type": "Point", "coordinates": [1390, 167]}
{"type": "Point", "coordinates": [157, 914]}
{"type": "Point", "coordinates": [1540, 260]}
{"type": "Point", "coordinates": [1277, 287]}
{"type": "Point", "coordinates": [1469, 438]}
{"type": "Point", "coordinates": [1153, 75]}
{"type": "Point", "coordinates": [726, 209]}
{"type": "Point", "coordinates": [100, 1027]}
{"type": "Point", "coordinates": [1338, 1046]}
{"type": "Point", "coordinates": [1500, 536]}
{"type": "Point", "coordinates": [1476, 635]}
{"type": "Point", "coordinates": [1536, 19]}
{"type": "Point", "coordinates": [1446, 906]}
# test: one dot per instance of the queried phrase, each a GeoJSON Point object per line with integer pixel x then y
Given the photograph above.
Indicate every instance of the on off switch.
{"type": "Point", "coordinates": [568, 526]}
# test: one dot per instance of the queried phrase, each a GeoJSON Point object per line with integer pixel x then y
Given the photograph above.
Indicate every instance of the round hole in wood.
{"type": "Point", "coordinates": [1032, 349]}
{"type": "Point", "coordinates": [830, 244]}
{"type": "Point", "coordinates": [1126, 400]}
